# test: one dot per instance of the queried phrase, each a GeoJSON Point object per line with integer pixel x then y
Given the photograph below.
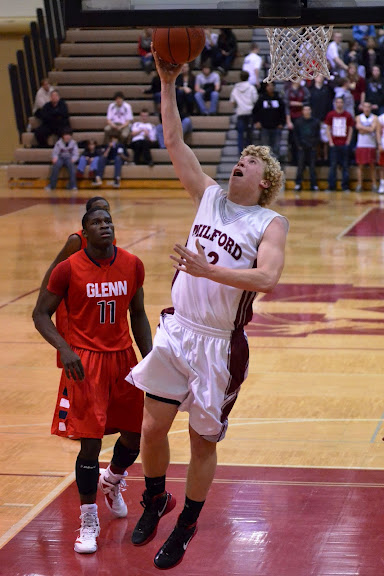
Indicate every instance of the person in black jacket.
{"type": "Point", "coordinates": [269, 117]}
{"type": "Point", "coordinates": [185, 91]}
{"type": "Point", "coordinates": [54, 118]}
{"type": "Point", "coordinates": [375, 91]}
{"type": "Point", "coordinates": [225, 51]}
{"type": "Point", "coordinates": [306, 133]}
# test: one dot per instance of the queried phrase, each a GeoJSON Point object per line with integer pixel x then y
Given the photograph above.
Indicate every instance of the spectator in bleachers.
{"type": "Point", "coordinates": [362, 33]}
{"type": "Point", "coordinates": [335, 56]}
{"type": "Point", "coordinates": [207, 88]}
{"type": "Point", "coordinates": [115, 153]}
{"type": "Point", "coordinates": [306, 133]}
{"type": "Point", "coordinates": [375, 91]}
{"type": "Point", "coordinates": [357, 86]}
{"type": "Point", "coordinates": [370, 56]}
{"type": "Point", "coordinates": [155, 90]}
{"type": "Point", "coordinates": [269, 117]}
{"type": "Point", "coordinates": [143, 139]}
{"type": "Point", "coordinates": [54, 118]}
{"type": "Point", "coordinates": [119, 119]}
{"type": "Point", "coordinates": [210, 44]}
{"type": "Point", "coordinates": [252, 64]}
{"type": "Point", "coordinates": [244, 96]}
{"type": "Point", "coordinates": [342, 91]}
{"type": "Point", "coordinates": [366, 125]}
{"type": "Point", "coordinates": [43, 96]}
{"type": "Point", "coordinates": [340, 129]}
{"type": "Point", "coordinates": [225, 51]}
{"type": "Point", "coordinates": [353, 54]}
{"type": "Point", "coordinates": [64, 153]}
{"type": "Point", "coordinates": [90, 157]}
{"type": "Point", "coordinates": [380, 140]}
{"type": "Point", "coordinates": [144, 50]}
{"type": "Point", "coordinates": [321, 102]}
{"type": "Point", "coordinates": [186, 124]}
{"type": "Point", "coordinates": [295, 96]}
{"type": "Point", "coordinates": [185, 91]}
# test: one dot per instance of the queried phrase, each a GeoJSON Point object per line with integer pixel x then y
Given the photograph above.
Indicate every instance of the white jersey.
{"type": "Point", "coordinates": [230, 235]}
{"type": "Point", "coordinates": [381, 120]}
{"type": "Point", "coordinates": [366, 140]}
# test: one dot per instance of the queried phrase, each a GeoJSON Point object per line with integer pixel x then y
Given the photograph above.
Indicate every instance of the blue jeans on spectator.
{"type": "Point", "coordinates": [186, 125]}
{"type": "Point", "coordinates": [338, 155]}
{"type": "Point", "coordinates": [93, 167]}
{"type": "Point", "coordinates": [244, 125]}
{"type": "Point", "coordinates": [67, 162]}
{"type": "Point", "coordinates": [271, 137]}
{"type": "Point", "coordinates": [306, 156]}
{"type": "Point", "coordinates": [118, 162]}
{"type": "Point", "coordinates": [213, 98]}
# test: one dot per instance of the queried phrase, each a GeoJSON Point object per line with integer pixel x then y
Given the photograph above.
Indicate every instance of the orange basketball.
{"type": "Point", "coordinates": [178, 45]}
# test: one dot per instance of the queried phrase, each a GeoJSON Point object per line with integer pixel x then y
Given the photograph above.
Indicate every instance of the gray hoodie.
{"type": "Point", "coordinates": [63, 150]}
{"type": "Point", "coordinates": [244, 95]}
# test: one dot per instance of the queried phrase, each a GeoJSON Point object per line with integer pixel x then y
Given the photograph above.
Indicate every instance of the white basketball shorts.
{"type": "Point", "coordinates": [200, 367]}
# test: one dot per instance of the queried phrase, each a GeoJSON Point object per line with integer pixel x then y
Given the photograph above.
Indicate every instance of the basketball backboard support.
{"type": "Point", "coordinates": [220, 13]}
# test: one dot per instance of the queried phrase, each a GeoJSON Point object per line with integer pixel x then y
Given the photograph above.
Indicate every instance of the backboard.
{"type": "Point", "coordinates": [221, 13]}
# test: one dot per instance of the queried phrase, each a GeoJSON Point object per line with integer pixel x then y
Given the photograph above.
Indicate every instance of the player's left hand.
{"type": "Point", "coordinates": [190, 262]}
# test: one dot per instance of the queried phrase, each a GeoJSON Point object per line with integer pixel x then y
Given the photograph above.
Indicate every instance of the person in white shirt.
{"type": "Point", "coordinates": [43, 95]}
{"type": "Point", "coordinates": [366, 126]}
{"type": "Point", "coordinates": [252, 64]}
{"type": "Point", "coordinates": [380, 139]}
{"type": "Point", "coordinates": [119, 119]}
{"type": "Point", "coordinates": [143, 139]}
{"type": "Point", "coordinates": [244, 97]}
{"type": "Point", "coordinates": [334, 56]}
{"type": "Point", "coordinates": [207, 88]}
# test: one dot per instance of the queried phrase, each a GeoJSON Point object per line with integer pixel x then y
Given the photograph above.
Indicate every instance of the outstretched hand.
{"type": "Point", "coordinates": [190, 262]}
{"type": "Point", "coordinates": [168, 72]}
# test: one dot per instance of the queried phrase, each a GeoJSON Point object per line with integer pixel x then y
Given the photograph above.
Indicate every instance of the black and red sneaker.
{"type": "Point", "coordinates": [154, 509]}
{"type": "Point", "coordinates": [172, 551]}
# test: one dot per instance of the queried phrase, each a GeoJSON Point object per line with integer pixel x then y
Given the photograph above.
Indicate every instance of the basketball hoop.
{"type": "Point", "coordinates": [298, 53]}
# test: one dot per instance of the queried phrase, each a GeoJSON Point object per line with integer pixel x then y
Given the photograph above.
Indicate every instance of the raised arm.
{"type": "Point", "coordinates": [184, 161]}
{"type": "Point", "coordinates": [141, 329]}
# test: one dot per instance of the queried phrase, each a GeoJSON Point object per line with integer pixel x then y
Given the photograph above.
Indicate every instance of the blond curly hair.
{"type": "Point", "coordinates": [272, 172]}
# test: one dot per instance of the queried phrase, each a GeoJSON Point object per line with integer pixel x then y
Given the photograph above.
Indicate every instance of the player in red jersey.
{"type": "Point", "coordinates": [99, 285]}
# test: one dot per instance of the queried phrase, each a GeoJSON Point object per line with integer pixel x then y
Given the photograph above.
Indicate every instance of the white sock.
{"type": "Point", "coordinates": [89, 508]}
{"type": "Point", "coordinates": [114, 478]}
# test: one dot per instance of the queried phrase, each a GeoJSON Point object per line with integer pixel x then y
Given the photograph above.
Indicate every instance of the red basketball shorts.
{"type": "Point", "coordinates": [381, 159]}
{"type": "Point", "coordinates": [104, 402]}
{"type": "Point", "coordinates": [365, 155]}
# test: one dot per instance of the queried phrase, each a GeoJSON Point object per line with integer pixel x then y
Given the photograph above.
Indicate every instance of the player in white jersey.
{"type": "Point", "coordinates": [380, 140]}
{"type": "Point", "coordinates": [366, 126]}
{"type": "Point", "coordinates": [200, 356]}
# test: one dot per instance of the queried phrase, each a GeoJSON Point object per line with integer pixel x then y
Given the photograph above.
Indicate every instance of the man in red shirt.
{"type": "Point", "coordinates": [339, 125]}
{"type": "Point", "coordinates": [99, 285]}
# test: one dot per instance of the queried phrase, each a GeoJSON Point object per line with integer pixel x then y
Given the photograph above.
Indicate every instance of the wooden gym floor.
{"type": "Point", "coordinates": [300, 485]}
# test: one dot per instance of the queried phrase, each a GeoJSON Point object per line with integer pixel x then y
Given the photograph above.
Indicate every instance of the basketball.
{"type": "Point", "coordinates": [178, 45]}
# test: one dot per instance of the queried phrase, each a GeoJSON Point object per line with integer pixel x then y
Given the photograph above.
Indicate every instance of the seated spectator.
{"type": "Point", "coordinates": [90, 157]}
{"type": "Point", "coordinates": [143, 139]}
{"type": "Point", "coordinates": [362, 33]}
{"type": "Point", "coordinates": [185, 91]}
{"type": "Point", "coordinates": [119, 119]}
{"type": "Point", "coordinates": [207, 88]}
{"type": "Point", "coordinates": [210, 44]}
{"type": "Point", "coordinates": [366, 126]}
{"type": "Point", "coordinates": [370, 56]}
{"type": "Point", "coordinates": [375, 91]}
{"type": "Point", "coordinates": [115, 153]}
{"type": "Point", "coordinates": [335, 56]}
{"type": "Point", "coordinates": [357, 86]}
{"type": "Point", "coordinates": [43, 96]}
{"type": "Point", "coordinates": [225, 51]}
{"type": "Point", "coordinates": [144, 50]}
{"type": "Point", "coordinates": [342, 91]}
{"type": "Point", "coordinates": [295, 96]}
{"type": "Point", "coordinates": [155, 90]}
{"type": "Point", "coordinates": [307, 137]}
{"type": "Point", "coordinates": [252, 64]}
{"type": "Point", "coordinates": [64, 153]}
{"type": "Point", "coordinates": [340, 129]}
{"type": "Point", "coordinates": [54, 118]}
{"type": "Point", "coordinates": [269, 117]}
{"type": "Point", "coordinates": [353, 54]}
{"type": "Point", "coordinates": [186, 125]}
{"type": "Point", "coordinates": [244, 96]}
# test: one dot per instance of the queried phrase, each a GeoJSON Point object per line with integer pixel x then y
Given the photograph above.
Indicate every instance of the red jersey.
{"type": "Point", "coordinates": [97, 296]}
{"type": "Point", "coordinates": [339, 124]}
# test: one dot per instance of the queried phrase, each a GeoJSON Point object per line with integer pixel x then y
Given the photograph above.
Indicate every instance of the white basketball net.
{"type": "Point", "coordinates": [298, 53]}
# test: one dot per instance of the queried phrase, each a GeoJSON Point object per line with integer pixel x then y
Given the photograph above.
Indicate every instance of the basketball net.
{"type": "Point", "coordinates": [298, 53]}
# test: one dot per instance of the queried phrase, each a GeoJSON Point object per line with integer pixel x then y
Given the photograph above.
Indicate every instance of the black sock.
{"type": "Point", "coordinates": [155, 486]}
{"type": "Point", "coordinates": [191, 512]}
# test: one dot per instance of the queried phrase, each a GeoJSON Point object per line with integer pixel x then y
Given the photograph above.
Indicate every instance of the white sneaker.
{"type": "Point", "coordinates": [86, 542]}
{"type": "Point", "coordinates": [113, 498]}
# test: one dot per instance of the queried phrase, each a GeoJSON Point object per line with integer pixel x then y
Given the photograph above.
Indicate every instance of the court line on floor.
{"type": "Point", "coordinates": [348, 228]}
{"type": "Point", "coordinates": [377, 429]}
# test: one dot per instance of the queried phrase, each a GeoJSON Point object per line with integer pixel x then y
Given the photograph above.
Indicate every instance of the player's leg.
{"type": "Point", "coordinates": [157, 420]}
{"type": "Point", "coordinates": [372, 167]}
{"type": "Point", "coordinates": [201, 472]}
{"type": "Point", "coordinates": [359, 173]}
{"type": "Point", "coordinates": [87, 474]}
